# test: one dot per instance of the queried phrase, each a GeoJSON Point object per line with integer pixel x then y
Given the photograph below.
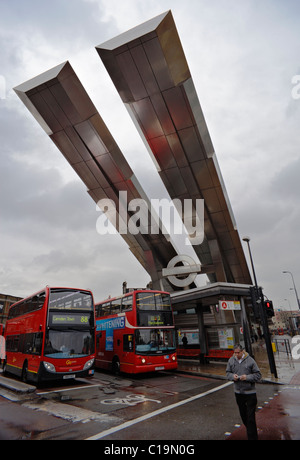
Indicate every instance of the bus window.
{"type": "Point", "coordinates": [27, 306]}
{"type": "Point", "coordinates": [62, 299]}
{"type": "Point", "coordinates": [162, 302]}
{"type": "Point", "coordinates": [153, 301]}
{"type": "Point", "coordinates": [115, 307]}
{"type": "Point", "coordinates": [32, 343]}
{"type": "Point", "coordinates": [12, 343]}
{"type": "Point", "coordinates": [105, 309]}
{"type": "Point", "coordinates": [145, 301]}
{"type": "Point", "coordinates": [127, 303]}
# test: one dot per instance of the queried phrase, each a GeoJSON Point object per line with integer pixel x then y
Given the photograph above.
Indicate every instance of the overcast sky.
{"type": "Point", "coordinates": [242, 55]}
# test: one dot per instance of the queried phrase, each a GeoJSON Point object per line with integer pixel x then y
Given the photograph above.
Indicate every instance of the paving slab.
{"type": "Point", "coordinates": [16, 385]}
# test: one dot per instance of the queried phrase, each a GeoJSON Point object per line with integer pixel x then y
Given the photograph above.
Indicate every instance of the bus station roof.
{"type": "Point", "coordinates": [64, 110]}
{"type": "Point", "coordinates": [194, 296]}
{"type": "Point", "coordinates": [149, 69]}
{"type": "Point", "coordinates": [150, 72]}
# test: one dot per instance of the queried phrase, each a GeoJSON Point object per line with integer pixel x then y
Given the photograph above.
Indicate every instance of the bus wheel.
{"type": "Point", "coordinates": [116, 366]}
{"type": "Point", "coordinates": [25, 372]}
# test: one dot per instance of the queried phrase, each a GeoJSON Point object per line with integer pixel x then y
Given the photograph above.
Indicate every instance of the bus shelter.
{"type": "Point", "coordinates": [210, 319]}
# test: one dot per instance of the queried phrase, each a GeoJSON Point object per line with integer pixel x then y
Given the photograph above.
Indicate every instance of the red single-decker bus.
{"type": "Point", "coordinates": [135, 333]}
{"type": "Point", "coordinates": [51, 335]}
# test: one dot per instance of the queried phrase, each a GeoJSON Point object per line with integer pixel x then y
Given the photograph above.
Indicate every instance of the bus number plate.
{"type": "Point", "coordinates": [69, 376]}
{"type": "Point", "coordinates": [160, 368]}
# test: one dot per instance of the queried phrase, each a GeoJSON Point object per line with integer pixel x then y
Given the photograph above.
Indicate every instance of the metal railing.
{"type": "Point", "coordinates": [282, 346]}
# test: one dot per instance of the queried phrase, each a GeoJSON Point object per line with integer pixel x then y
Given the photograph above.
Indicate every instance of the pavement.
{"type": "Point", "coordinates": [279, 418]}
{"type": "Point", "coordinates": [15, 385]}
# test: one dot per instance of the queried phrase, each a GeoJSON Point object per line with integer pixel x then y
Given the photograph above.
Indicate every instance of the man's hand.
{"type": "Point", "coordinates": [239, 377]}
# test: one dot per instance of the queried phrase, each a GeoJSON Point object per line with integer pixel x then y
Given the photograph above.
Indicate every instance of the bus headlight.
{"type": "Point", "coordinates": [49, 367]}
{"type": "Point", "coordinates": [173, 358]}
{"type": "Point", "coordinates": [143, 361]}
{"type": "Point", "coordinates": [88, 364]}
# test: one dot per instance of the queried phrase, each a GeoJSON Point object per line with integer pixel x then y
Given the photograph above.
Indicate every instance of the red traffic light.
{"type": "Point", "coordinates": [269, 308]}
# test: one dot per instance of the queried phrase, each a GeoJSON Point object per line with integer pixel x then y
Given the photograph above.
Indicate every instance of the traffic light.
{"type": "Point", "coordinates": [269, 308]}
{"type": "Point", "coordinates": [255, 295]}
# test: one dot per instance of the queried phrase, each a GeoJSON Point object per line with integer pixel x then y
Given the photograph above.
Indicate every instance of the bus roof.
{"type": "Point", "coordinates": [130, 292]}
{"type": "Point", "coordinates": [47, 288]}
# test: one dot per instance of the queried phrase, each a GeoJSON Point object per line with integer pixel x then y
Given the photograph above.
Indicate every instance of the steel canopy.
{"type": "Point", "coordinates": [149, 70]}
{"type": "Point", "coordinates": [61, 105]}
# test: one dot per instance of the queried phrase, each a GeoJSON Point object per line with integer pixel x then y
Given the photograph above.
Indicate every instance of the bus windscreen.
{"type": "Point", "coordinates": [69, 344]}
{"type": "Point", "coordinates": [61, 299]}
{"type": "Point", "coordinates": [153, 301]}
{"type": "Point", "coordinates": [153, 341]}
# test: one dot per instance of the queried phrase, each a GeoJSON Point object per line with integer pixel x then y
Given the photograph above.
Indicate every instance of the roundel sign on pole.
{"type": "Point", "coordinates": [189, 268]}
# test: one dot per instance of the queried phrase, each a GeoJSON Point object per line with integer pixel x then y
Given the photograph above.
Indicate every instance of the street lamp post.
{"type": "Point", "coordinates": [247, 239]}
{"type": "Point", "coordinates": [263, 316]}
{"type": "Point", "coordinates": [297, 298]}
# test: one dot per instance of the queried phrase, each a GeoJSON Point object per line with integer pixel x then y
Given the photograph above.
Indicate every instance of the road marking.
{"type": "Point", "coordinates": [130, 400]}
{"type": "Point", "coordinates": [155, 413]}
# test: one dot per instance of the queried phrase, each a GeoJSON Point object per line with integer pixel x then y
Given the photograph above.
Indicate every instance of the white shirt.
{"type": "Point", "coordinates": [240, 360]}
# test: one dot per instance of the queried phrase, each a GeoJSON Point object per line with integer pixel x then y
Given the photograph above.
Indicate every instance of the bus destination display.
{"type": "Point", "coordinates": [69, 319]}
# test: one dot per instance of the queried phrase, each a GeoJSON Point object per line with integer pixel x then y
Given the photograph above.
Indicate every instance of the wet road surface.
{"type": "Point", "coordinates": [168, 406]}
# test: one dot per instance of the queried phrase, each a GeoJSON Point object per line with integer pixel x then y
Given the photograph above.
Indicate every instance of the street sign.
{"type": "Point", "coordinates": [229, 305]}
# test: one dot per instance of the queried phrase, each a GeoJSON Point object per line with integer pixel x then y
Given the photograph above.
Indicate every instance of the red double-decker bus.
{"type": "Point", "coordinates": [51, 335]}
{"type": "Point", "coordinates": [135, 333]}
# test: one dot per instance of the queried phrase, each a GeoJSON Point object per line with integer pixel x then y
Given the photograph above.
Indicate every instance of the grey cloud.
{"type": "Point", "coordinates": [247, 53]}
{"type": "Point", "coordinates": [61, 21]}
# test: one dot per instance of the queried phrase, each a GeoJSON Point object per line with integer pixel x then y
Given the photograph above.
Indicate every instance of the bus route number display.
{"type": "Point", "coordinates": [146, 319]}
{"type": "Point", "coordinates": [66, 319]}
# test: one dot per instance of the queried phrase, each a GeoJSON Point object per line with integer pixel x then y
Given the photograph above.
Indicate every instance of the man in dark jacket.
{"type": "Point", "coordinates": [244, 372]}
